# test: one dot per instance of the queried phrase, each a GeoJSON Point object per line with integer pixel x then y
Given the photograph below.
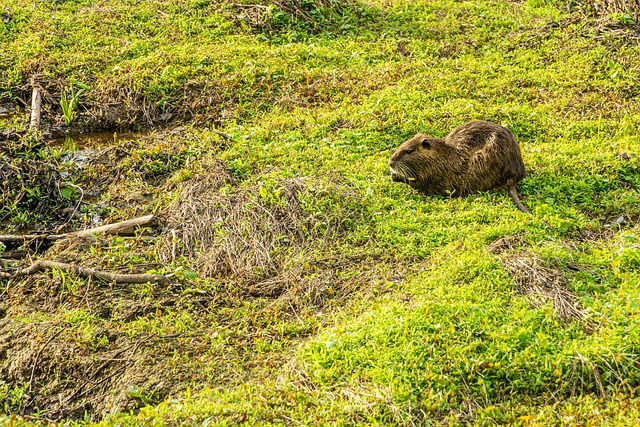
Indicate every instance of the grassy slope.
{"type": "Point", "coordinates": [454, 340]}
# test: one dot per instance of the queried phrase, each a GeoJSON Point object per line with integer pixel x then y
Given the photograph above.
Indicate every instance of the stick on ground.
{"type": "Point", "coordinates": [124, 228]}
{"type": "Point", "coordinates": [41, 265]}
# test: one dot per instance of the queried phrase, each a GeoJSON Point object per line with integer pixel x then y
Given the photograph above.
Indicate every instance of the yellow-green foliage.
{"type": "Point", "coordinates": [448, 337]}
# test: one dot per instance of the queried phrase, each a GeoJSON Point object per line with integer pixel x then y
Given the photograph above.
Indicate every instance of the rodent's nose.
{"type": "Point", "coordinates": [391, 162]}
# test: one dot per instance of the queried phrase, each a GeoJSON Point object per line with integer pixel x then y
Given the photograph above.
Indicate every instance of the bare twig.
{"type": "Point", "coordinates": [127, 227]}
{"type": "Point", "coordinates": [124, 228]}
{"type": "Point", "coordinates": [174, 241]}
{"type": "Point", "coordinates": [11, 238]}
{"type": "Point", "coordinates": [77, 204]}
{"type": "Point", "coordinates": [224, 135]}
{"type": "Point", "coordinates": [41, 265]}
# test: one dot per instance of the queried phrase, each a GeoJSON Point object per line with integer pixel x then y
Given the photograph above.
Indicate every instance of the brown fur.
{"type": "Point", "coordinates": [476, 156]}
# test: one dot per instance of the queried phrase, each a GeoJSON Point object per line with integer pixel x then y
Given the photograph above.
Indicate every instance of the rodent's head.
{"type": "Point", "coordinates": [410, 159]}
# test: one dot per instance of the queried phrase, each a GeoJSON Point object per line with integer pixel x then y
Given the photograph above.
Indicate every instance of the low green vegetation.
{"type": "Point", "coordinates": [69, 102]}
{"type": "Point", "coordinates": [306, 287]}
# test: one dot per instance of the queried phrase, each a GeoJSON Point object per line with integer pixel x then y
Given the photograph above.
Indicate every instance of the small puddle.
{"type": "Point", "coordinates": [79, 147]}
{"type": "Point", "coordinates": [74, 148]}
{"type": "Point", "coordinates": [92, 140]}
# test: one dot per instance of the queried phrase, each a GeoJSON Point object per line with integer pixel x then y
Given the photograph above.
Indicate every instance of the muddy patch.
{"type": "Point", "coordinates": [60, 379]}
{"type": "Point", "coordinates": [68, 348]}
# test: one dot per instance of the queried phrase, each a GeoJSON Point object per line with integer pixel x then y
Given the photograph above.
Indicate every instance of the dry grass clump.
{"type": "Point", "coordinates": [250, 234]}
{"type": "Point", "coordinates": [504, 244]}
{"type": "Point", "coordinates": [609, 7]}
{"type": "Point", "coordinates": [542, 284]}
{"type": "Point", "coordinates": [308, 13]}
{"type": "Point", "coordinates": [617, 19]}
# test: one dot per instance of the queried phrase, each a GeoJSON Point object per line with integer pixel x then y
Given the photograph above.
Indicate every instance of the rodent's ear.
{"type": "Point", "coordinates": [426, 144]}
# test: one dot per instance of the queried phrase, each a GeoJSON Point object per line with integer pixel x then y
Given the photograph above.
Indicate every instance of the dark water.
{"type": "Point", "coordinates": [16, 119]}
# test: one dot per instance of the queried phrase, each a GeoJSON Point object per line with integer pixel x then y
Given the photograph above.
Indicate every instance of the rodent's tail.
{"type": "Point", "coordinates": [513, 192]}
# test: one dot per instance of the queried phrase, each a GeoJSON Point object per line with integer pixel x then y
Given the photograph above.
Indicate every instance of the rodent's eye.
{"type": "Point", "coordinates": [408, 151]}
{"type": "Point", "coordinates": [426, 144]}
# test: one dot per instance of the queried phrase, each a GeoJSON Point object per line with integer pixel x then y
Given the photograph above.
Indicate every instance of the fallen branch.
{"type": "Point", "coordinates": [41, 265]}
{"type": "Point", "coordinates": [16, 254]}
{"type": "Point", "coordinates": [12, 238]}
{"type": "Point", "coordinates": [124, 228]}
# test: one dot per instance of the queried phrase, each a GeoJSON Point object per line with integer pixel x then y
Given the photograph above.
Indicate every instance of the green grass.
{"type": "Point", "coordinates": [402, 313]}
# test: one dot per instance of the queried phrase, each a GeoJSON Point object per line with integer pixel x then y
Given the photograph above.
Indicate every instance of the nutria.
{"type": "Point", "coordinates": [476, 156]}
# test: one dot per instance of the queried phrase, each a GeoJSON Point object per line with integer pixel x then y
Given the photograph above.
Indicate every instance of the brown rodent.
{"type": "Point", "coordinates": [476, 156]}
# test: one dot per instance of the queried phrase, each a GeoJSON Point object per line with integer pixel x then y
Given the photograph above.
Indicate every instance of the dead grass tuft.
{"type": "Point", "coordinates": [627, 32]}
{"type": "Point", "coordinates": [307, 14]}
{"type": "Point", "coordinates": [610, 7]}
{"type": "Point", "coordinates": [542, 284]}
{"type": "Point", "coordinates": [250, 234]}
{"type": "Point", "coordinates": [504, 244]}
